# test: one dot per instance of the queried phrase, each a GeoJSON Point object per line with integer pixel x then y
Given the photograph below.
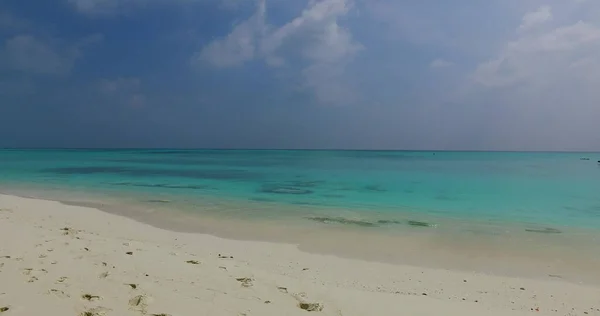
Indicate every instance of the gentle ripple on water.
{"type": "Point", "coordinates": [545, 189]}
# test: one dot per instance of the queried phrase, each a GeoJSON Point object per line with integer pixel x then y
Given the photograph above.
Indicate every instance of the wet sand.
{"type": "Point", "coordinates": [508, 249]}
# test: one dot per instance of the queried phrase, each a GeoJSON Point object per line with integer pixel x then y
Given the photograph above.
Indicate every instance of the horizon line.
{"type": "Point", "coordinates": [294, 149]}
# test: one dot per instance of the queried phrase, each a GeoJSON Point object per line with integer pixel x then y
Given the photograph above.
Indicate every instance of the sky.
{"type": "Point", "coordinates": [324, 74]}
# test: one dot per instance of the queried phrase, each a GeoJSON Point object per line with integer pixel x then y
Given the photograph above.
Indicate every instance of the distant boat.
{"type": "Point", "coordinates": [584, 158]}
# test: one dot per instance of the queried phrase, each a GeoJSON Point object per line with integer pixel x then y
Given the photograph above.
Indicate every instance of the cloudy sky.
{"type": "Point", "coordinates": [385, 74]}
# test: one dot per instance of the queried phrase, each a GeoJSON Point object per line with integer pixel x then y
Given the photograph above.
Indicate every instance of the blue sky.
{"type": "Point", "coordinates": [376, 74]}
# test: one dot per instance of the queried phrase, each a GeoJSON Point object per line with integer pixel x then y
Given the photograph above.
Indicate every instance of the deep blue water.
{"type": "Point", "coordinates": [546, 189]}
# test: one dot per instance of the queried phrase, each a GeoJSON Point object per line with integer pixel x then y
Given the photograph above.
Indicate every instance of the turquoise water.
{"type": "Point", "coordinates": [545, 189]}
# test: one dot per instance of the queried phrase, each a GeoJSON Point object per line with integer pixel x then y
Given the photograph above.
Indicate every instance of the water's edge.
{"type": "Point", "coordinates": [540, 255]}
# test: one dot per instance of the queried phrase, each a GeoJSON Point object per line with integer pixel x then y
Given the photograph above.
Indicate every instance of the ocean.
{"type": "Point", "coordinates": [375, 187]}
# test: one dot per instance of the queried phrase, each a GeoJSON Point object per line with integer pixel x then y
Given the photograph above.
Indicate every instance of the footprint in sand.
{"type": "Point", "coordinates": [30, 271]}
{"type": "Point", "coordinates": [246, 282]}
{"type": "Point", "coordinates": [90, 297]}
{"type": "Point", "coordinates": [311, 307]}
{"type": "Point", "coordinates": [304, 304]}
{"type": "Point", "coordinates": [139, 302]}
{"type": "Point", "coordinates": [97, 311]}
{"type": "Point", "coordinates": [132, 286]}
{"type": "Point", "coordinates": [33, 273]}
{"type": "Point", "coordinates": [282, 289]}
{"type": "Point", "coordinates": [58, 293]}
{"type": "Point", "coordinates": [69, 231]}
{"type": "Point", "coordinates": [103, 275]}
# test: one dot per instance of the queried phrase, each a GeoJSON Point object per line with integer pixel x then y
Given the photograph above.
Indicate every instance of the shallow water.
{"type": "Point", "coordinates": [541, 189]}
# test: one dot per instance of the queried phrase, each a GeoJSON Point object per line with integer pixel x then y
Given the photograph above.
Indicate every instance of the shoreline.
{"type": "Point", "coordinates": [354, 216]}
{"type": "Point", "coordinates": [572, 257]}
{"type": "Point", "coordinates": [71, 260]}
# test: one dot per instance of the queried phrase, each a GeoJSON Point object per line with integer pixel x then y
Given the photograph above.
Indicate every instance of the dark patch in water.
{"type": "Point", "coordinates": [169, 161]}
{"type": "Point", "coordinates": [344, 221]}
{"type": "Point", "coordinates": [389, 221]}
{"type": "Point", "coordinates": [198, 161]}
{"type": "Point", "coordinates": [365, 223]}
{"type": "Point", "coordinates": [419, 224]}
{"type": "Point", "coordinates": [138, 172]}
{"type": "Point", "coordinates": [284, 190]}
{"type": "Point", "coordinates": [164, 186]}
{"type": "Point", "coordinates": [570, 208]}
{"type": "Point", "coordinates": [547, 230]}
{"type": "Point", "coordinates": [375, 188]}
{"type": "Point", "coordinates": [306, 203]}
{"type": "Point", "coordinates": [305, 184]}
{"type": "Point", "coordinates": [86, 170]}
{"type": "Point", "coordinates": [158, 201]}
{"type": "Point", "coordinates": [166, 152]}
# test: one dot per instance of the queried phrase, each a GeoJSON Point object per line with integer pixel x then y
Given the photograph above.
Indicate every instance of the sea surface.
{"type": "Point", "coordinates": [362, 188]}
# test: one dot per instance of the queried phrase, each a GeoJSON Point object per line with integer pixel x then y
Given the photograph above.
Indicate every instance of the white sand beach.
{"type": "Point", "coordinates": [59, 260]}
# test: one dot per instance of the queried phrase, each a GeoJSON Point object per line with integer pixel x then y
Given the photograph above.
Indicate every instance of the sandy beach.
{"type": "Point", "coordinates": [57, 259]}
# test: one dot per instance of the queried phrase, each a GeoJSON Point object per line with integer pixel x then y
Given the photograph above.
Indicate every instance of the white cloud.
{"type": "Point", "coordinates": [565, 38]}
{"type": "Point", "coordinates": [532, 19]}
{"type": "Point", "coordinates": [315, 36]}
{"type": "Point", "coordinates": [440, 63]}
{"type": "Point", "coordinates": [544, 80]}
{"type": "Point", "coordinates": [534, 57]}
{"type": "Point", "coordinates": [239, 46]}
{"type": "Point", "coordinates": [316, 17]}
